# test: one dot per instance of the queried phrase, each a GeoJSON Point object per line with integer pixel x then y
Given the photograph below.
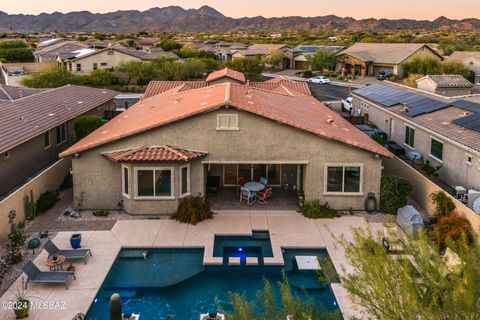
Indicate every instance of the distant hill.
{"type": "Point", "coordinates": [206, 19]}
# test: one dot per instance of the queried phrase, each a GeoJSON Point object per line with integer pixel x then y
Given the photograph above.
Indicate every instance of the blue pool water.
{"type": "Point", "coordinates": [174, 282]}
{"type": "Point", "coordinates": [257, 245]}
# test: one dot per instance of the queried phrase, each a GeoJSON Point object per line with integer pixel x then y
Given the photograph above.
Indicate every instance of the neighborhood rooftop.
{"type": "Point", "coordinates": [448, 81]}
{"type": "Point", "coordinates": [154, 153]}
{"type": "Point", "coordinates": [10, 93]}
{"type": "Point", "coordinates": [25, 118]}
{"type": "Point", "coordinates": [298, 110]}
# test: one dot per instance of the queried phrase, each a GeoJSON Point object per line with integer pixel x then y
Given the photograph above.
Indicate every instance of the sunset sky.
{"type": "Point", "coordinates": [417, 9]}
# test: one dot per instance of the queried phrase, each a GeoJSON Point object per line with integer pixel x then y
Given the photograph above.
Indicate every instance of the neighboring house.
{"type": "Point", "coordinates": [368, 59]}
{"type": "Point", "coordinates": [13, 73]}
{"type": "Point", "coordinates": [48, 42]}
{"type": "Point", "coordinates": [87, 60]}
{"type": "Point", "coordinates": [49, 53]}
{"type": "Point", "coordinates": [223, 50]}
{"type": "Point", "coordinates": [470, 59]}
{"type": "Point", "coordinates": [445, 85]}
{"type": "Point", "coordinates": [37, 124]}
{"type": "Point", "coordinates": [301, 52]}
{"type": "Point", "coordinates": [262, 50]}
{"type": "Point", "coordinates": [166, 146]}
{"type": "Point", "coordinates": [445, 131]}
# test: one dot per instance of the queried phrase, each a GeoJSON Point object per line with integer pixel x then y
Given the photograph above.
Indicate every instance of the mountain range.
{"type": "Point", "coordinates": [207, 19]}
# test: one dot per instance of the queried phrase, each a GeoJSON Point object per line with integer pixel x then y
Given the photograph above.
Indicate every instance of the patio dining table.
{"type": "Point", "coordinates": [254, 186]}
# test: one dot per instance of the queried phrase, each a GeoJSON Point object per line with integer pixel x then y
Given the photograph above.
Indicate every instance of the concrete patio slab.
{"type": "Point", "coordinates": [137, 233]}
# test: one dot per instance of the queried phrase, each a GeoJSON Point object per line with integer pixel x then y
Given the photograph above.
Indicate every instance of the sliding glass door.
{"type": "Point", "coordinates": [251, 172]}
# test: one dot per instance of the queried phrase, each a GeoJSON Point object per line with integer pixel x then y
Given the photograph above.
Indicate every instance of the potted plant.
{"type": "Point", "coordinates": [22, 305]}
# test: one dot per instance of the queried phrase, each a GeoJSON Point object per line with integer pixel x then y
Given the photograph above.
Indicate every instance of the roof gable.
{"type": "Point", "coordinates": [226, 73]}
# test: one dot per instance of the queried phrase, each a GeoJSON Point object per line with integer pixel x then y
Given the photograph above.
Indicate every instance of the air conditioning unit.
{"type": "Point", "coordinates": [472, 196]}
{"type": "Point", "coordinates": [459, 192]}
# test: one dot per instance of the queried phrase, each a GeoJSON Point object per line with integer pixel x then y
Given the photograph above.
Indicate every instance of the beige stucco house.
{"type": "Point", "coordinates": [87, 60]}
{"type": "Point", "coordinates": [368, 59]}
{"type": "Point", "coordinates": [470, 59]}
{"type": "Point", "coordinates": [167, 146]}
{"type": "Point", "coordinates": [445, 131]}
{"type": "Point", "coordinates": [262, 50]}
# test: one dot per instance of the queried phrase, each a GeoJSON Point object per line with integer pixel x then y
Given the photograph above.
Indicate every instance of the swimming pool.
{"type": "Point", "coordinates": [174, 282]}
{"type": "Point", "coordinates": [257, 245]}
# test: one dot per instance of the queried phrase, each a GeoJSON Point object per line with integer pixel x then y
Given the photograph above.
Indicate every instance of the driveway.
{"type": "Point", "coordinates": [329, 92]}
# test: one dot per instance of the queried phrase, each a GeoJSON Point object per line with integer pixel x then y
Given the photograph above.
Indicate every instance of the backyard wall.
{"type": "Point", "coordinates": [423, 187]}
{"type": "Point", "coordinates": [28, 67]}
{"type": "Point", "coordinates": [47, 180]}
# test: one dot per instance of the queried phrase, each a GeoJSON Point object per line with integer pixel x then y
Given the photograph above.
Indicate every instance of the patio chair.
{"type": "Point", "coordinates": [247, 195]}
{"type": "Point", "coordinates": [213, 185]}
{"type": "Point", "coordinates": [391, 240]}
{"type": "Point", "coordinates": [69, 254]}
{"type": "Point", "coordinates": [34, 275]}
{"type": "Point", "coordinates": [263, 195]}
{"type": "Point", "coordinates": [263, 181]}
{"type": "Point", "coordinates": [241, 182]}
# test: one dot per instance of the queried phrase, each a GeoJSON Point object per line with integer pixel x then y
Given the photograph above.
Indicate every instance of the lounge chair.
{"type": "Point", "coordinates": [247, 195]}
{"type": "Point", "coordinates": [69, 254]}
{"type": "Point", "coordinates": [391, 240]}
{"type": "Point", "coordinates": [34, 275]}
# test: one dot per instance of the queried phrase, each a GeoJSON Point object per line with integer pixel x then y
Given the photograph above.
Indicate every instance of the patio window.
{"type": "Point", "coordinates": [125, 176]}
{"type": "Point", "coordinates": [343, 179]}
{"type": "Point", "coordinates": [185, 181]}
{"type": "Point", "coordinates": [436, 149]}
{"type": "Point", "coordinates": [46, 140]}
{"type": "Point", "coordinates": [61, 131]}
{"type": "Point", "coordinates": [155, 183]}
{"type": "Point", "coordinates": [409, 136]}
{"type": "Point", "coordinates": [227, 122]}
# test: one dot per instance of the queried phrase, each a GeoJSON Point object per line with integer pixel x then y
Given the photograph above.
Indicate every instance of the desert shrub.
{"type": "Point", "coordinates": [314, 209]}
{"type": "Point", "coordinates": [429, 169]}
{"type": "Point", "coordinates": [393, 193]}
{"type": "Point", "coordinates": [17, 237]}
{"type": "Point", "coordinates": [101, 213]}
{"type": "Point", "coordinates": [443, 203]}
{"type": "Point", "coordinates": [452, 227]}
{"type": "Point", "coordinates": [46, 201]}
{"type": "Point", "coordinates": [411, 80]}
{"type": "Point", "coordinates": [341, 78]}
{"type": "Point", "coordinates": [67, 182]}
{"type": "Point", "coordinates": [307, 74]}
{"type": "Point", "coordinates": [193, 210]}
{"type": "Point", "coordinates": [86, 124]}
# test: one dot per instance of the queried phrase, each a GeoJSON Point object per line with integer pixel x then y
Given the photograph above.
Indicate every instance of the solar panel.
{"type": "Point", "coordinates": [471, 122]}
{"type": "Point", "coordinates": [467, 105]}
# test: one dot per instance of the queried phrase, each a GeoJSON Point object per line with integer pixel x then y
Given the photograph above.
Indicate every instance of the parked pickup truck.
{"type": "Point", "coordinates": [347, 105]}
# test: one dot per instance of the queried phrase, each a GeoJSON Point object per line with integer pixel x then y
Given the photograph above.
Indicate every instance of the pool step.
{"type": "Point", "coordinates": [234, 261]}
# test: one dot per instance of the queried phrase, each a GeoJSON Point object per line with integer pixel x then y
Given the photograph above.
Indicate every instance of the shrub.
{"type": "Point", "coordinates": [67, 182]}
{"type": "Point", "coordinates": [193, 210]}
{"type": "Point", "coordinates": [17, 237]}
{"type": "Point", "coordinates": [379, 138]}
{"type": "Point", "coordinates": [46, 201]}
{"type": "Point", "coordinates": [454, 228]}
{"type": "Point", "coordinates": [307, 74]}
{"type": "Point", "coordinates": [443, 204]}
{"type": "Point", "coordinates": [411, 80]}
{"type": "Point", "coordinates": [86, 124]}
{"type": "Point", "coordinates": [429, 169]}
{"type": "Point", "coordinates": [314, 209]}
{"type": "Point", "coordinates": [101, 213]}
{"type": "Point", "coordinates": [341, 78]}
{"type": "Point", "coordinates": [393, 193]}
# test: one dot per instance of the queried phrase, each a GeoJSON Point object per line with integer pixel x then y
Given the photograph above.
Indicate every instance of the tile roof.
{"type": "Point", "coordinates": [280, 84]}
{"type": "Point", "coordinates": [10, 93]}
{"type": "Point", "coordinates": [262, 49]}
{"type": "Point", "coordinates": [303, 112]}
{"type": "Point", "coordinates": [27, 117]}
{"type": "Point", "coordinates": [156, 87]}
{"type": "Point", "coordinates": [150, 54]}
{"type": "Point", "coordinates": [448, 81]}
{"type": "Point", "coordinates": [226, 73]}
{"type": "Point", "coordinates": [59, 48]}
{"type": "Point", "coordinates": [440, 121]}
{"type": "Point", "coordinates": [154, 153]}
{"type": "Point", "coordinates": [462, 55]}
{"type": "Point", "coordinates": [389, 53]}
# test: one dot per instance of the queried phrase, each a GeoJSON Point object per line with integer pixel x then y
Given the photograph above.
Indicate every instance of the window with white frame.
{"type": "Point", "coordinates": [125, 185]}
{"type": "Point", "coordinates": [343, 178]}
{"type": "Point", "coordinates": [61, 131]}
{"type": "Point", "coordinates": [155, 183]}
{"type": "Point", "coordinates": [436, 149]}
{"type": "Point", "coordinates": [185, 180]}
{"type": "Point", "coordinates": [227, 122]}
{"type": "Point", "coordinates": [410, 136]}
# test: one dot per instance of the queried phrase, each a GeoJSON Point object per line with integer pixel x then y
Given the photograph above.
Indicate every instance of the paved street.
{"type": "Point", "coordinates": [328, 92]}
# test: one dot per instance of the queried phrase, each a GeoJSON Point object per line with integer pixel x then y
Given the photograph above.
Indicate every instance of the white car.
{"type": "Point", "coordinates": [319, 79]}
{"type": "Point", "coordinates": [347, 104]}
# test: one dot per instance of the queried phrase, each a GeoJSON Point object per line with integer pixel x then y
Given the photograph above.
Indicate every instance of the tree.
{"type": "Point", "coordinates": [50, 78]}
{"type": "Point", "coordinates": [418, 285]}
{"type": "Point", "coordinates": [422, 65]}
{"type": "Point", "coordinates": [455, 67]}
{"type": "Point", "coordinates": [142, 72]}
{"type": "Point", "coordinates": [15, 51]}
{"type": "Point", "coordinates": [86, 124]}
{"type": "Point", "coordinates": [274, 59]}
{"type": "Point", "coordinates": [101, 78]}
{"type": "Point", "coordinates": [393, 193]}
{"type": "Point", "coordinates": [252, 68]}
{"type": "Point", "coordinates": [322, 59]}
{"type": "Point", "coordinates": [169, 45]}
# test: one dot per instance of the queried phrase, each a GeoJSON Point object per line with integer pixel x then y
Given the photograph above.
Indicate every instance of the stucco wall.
{"type": "Point", "coordinates": [258, 139]}
{"type": "Point", "coordinates": [423, 188]}
{"type": "Point", "coordinates": [112, 61]}
{"type": "Point", "coordinates": [429, 86]}
{"type": "Point", "coordinates": [454, 171]}
{"type": "Point", "coordinates": [48, 180]}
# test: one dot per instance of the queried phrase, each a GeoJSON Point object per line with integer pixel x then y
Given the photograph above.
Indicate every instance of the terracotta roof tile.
{"type": "Point", "coordinates": [301, 111]}
{"type": "Point", "coordinates": [157, 87]}
{"type": "Point", "coordinates": [228, 73]}
{"type": "Point", "coordinates": [154, 153]}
